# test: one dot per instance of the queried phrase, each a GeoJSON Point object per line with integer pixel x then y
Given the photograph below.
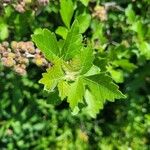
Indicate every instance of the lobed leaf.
{"type": "Point", "coordinates": [129, 12]}
{"type": "Point", "coordinates": [86, 58]}
{"type": "Point", "coordinates": [73, 42]}
{"type": "Point", "coordinates": [76, 93]}
{"type": "Point", "coordinates": [85, 2]}
{"type": "Point", "coordinates": [46, 41]}
{"type": "Point", "coordinates": [101, 88]}
{"type": "Point", "coordinates": [52, 77]}
{"type": "Point", "coordinates": [66, 11]}
{"type": "Point", "coordinates": [84, 22]}
{"type": "Point", "coordinates": [74, 74]}
{"type": "Point", "coordinates": [63, 88]}
{"type": "Point", "coordinates": [62, 31]}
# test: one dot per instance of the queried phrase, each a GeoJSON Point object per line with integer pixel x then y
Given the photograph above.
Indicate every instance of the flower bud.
{"type": "Point", "coordinates": [18, 69]}
{"type": "Point", "coordinates": [8, 62]}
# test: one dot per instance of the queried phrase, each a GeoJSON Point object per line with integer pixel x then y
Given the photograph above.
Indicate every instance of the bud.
{"type": "Point", "coordinates": [30, 47]}
{"type": "Point", "coordinates": [14, 45]}
{"type": "Point", "coordinates": [23, 66]}
{"type": "Point", "coordinates": [11, 55]}
{"type": "Point", "coordinates": [5, 44]}
{"type": "Point", "coordinates": [8, 62]}
{"type": "Point", "coordinates": [20, 45]}
{"type": "Point", "coordinates": [20, 8]}
{"type": "Point", "coordinates": [38, 60]}
{"type": "Point", "coordinates": [43, 2]}
{"type": "Point", "coordinates": [22, 60]}
{"type": "Point", "coordinates": [19, 54]}
{"type": "Point", "coordinates": [100, 12]}
{"type": "Point", "coordinates": [5, 54]}
{"type": "Point", "coordinates": [18, 69]}
{"type": "Point", "coordinates": [8, 49]}
{"type": "Point", "coordinates": [2, 49]}
{"type": "Point", "coordinates": [37, 51]}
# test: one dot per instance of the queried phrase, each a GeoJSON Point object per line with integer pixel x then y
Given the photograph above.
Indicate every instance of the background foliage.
{"type": "Point", "coordinates": [120, 33]}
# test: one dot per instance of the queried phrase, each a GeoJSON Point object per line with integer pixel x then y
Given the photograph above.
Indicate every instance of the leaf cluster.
{"type": "Point", "coordinates": [73, 72]}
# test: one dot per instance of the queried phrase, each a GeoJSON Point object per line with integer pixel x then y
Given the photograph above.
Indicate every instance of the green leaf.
{"type": "Point", "coordinates": [93, 70]}
{"type": "Point", "coordinates": [53, 75]}
{"type": "Point", "coordinates": [75, 93]}
{"type": "Point", "coordinates": [116, 74]}
{"type": "Point", "coordinates": [62, 31]}
{"type": "Point", "coordinates": [138, 27]}
{"type": "Point", "coordinates": [4, 33]}
{"type": "Point", "coordinates": [84, 22]}
{"type": "Point", "coordinates": [46, 41]}
{"type": "Point", "coordinates": [144, 48]}
{"type": "Point", "coordinates": [66, 11]}
{"type": "Point", "coordinates": [74, 75]}
{"type": "Point", "coordinates": [102, 88]}
{"type": "Point", "coordinates": [98, 31]}
{"type": "Point", "coordinates": [85, 2]}
{"type": "Point", "coordinates": [73, 42]}
{"type": "Point", "coordinates": [38, 31]}
{"type": "Point", "coordinates": [63, 88]}
{"type": "Point", "coordinates": [93, 106]}
{"type": "Point", "coordinates": [60, 43]}
{"type": "Point", "coordinates": [130, 14]}
{"type": "Point", "coordinates": [86, 58]}
{"type": "Point", "coordinates": [101, 62]}
{"type": "Point", "coordinates": [125, 64]}
{"type": "Point", "coordinates": [75, 111]}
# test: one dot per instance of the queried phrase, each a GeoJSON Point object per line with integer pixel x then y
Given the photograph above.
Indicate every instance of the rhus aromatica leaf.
{"type": "Point", "coordinates": [66, 11]}
{"type": "Point", "coordinates": [76, 93]}
{"type": "Point", "coordinates": [106, 89]}
{"type": "Point", "coordinates": [73, 73]}
{"type": "Point", "coordinates": [52, 77]}
{"type": "Point", "coordinates": [46, 41]}
{"type": "Point", "coordinates": [84, 22]}
{"type": "Point", "coordinates": [99, 89]}
{"type": "Point", "coordinates": [73, 42]}
{"type": "Point", "coordinates": [63, 88]}
{"type": "Point", "coordinates": [86, 58]}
